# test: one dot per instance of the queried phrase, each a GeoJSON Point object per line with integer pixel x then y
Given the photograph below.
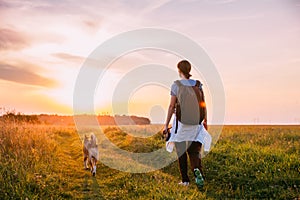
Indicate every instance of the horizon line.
{"type": "Point", "coordinates": [158, 123]}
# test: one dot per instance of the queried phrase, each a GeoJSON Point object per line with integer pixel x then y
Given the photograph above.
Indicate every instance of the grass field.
{"type": "Point", "coordinates": [247, 162]}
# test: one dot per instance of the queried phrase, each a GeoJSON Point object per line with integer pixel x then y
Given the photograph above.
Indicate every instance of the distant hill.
{"type": "Point", "coordinates": [69, 120]}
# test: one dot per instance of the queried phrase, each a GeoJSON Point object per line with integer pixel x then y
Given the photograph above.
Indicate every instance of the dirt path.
{"type": "Point", "coordinates": [81, 183]}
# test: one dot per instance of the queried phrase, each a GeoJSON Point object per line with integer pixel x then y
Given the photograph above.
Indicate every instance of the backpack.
{"type": "Point", "coordinates": [190, 105]}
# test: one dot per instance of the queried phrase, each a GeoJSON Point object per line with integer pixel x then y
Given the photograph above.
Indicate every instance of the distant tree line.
{"type": "Point", "coordinates": [122, 120]}
{"type": "Point", "coordinates": [21, 118]}
{"type": "Point", "coordinates": [11, 116]}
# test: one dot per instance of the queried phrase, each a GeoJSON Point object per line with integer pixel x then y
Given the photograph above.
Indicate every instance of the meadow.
{"type": "Point", "coordinates": [247, 162]}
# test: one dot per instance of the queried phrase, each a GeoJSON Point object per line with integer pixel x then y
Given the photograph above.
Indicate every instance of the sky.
{"type": "Point", "coordinates": [254, 44]}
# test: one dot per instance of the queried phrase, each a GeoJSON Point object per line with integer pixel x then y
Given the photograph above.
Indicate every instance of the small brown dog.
{"type": "Point", "coordinates": [90, 153]}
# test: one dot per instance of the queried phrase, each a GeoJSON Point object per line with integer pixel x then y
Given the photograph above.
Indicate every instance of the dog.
{"type": "Point", "coordinates": [90, 153]}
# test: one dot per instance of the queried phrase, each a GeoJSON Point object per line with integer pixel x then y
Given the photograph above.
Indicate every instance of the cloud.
{"type": "Point", "coordinates": [3, 4]}
{"type": "Point", "coordinates": [13, 40]}
{"type": "Point", "coordinates": [224, 1]}
{"type": "Point", "coordinates": [24, 76]}
{"type": "Point", "coordinates": [235, 18]}
{"type": "Point", "coordinates": [91, 25]}
{"type": "Point", "coordinates": [151, 5]}
{"type": "Point", "coordinates": [69, 57]}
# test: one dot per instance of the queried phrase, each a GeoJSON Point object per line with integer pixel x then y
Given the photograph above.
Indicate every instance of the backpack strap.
{"type": "Point", "coordinates": [176, 127]}
{"type": "Point", "coordinates": [178, 83]}
{"type": "Point", "coordinates": [200, 96]}
{"type": "Point", "coordinates": [197, 90]}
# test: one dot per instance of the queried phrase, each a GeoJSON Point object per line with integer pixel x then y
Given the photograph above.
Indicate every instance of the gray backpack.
{"type": "Point", "coordinates": [190, 105]}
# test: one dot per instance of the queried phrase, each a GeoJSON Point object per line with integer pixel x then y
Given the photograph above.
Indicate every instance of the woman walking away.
{"type": "Point", "coordinates": [188, 105]}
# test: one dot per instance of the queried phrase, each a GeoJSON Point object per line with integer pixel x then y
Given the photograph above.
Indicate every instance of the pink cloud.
{"type": "Point", "coordinates": [69, 57]}
{"type": "Point", "coordinates": [13, 40]}
{"type": "Point", "coordinates": [23, 75]}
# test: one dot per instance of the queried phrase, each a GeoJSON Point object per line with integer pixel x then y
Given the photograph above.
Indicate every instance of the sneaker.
{"type": "Point", "coordinates": [184, 183]}
{"type": "Point", "coordinates": [198, 178]}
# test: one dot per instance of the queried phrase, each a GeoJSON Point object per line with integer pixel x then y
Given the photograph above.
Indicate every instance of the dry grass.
{"type": "Point", "coordinates": [27, 157]}
{"type": "Point", "coordinates": [248, 162]}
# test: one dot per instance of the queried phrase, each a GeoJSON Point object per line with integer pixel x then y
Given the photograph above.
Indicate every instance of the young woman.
{"type": "Point", "coordinates": [185, 139]}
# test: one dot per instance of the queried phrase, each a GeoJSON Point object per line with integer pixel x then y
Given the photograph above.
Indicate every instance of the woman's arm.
{"type": "Point", "coordinates": [171, 110]}
{"type": "Point", "coordinates": [205, 111]}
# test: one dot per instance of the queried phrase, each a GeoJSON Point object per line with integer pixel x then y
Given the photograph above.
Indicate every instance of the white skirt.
{"type": "Point", "coordinates": [196, 133]}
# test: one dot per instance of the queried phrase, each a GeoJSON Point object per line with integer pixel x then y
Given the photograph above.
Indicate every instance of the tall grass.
{"type": "Point", "coordinates": [255, 162]}
{"type": "Point", "coordinates": [248, 162]}
{"type": "Point", "coordinates": [32, 161]}
{"type": "Point", "coordinates": [26, 157]}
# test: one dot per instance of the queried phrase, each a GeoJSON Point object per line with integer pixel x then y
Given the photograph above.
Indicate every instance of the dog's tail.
{"type": "Point", "coordinates": [93, 140]}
